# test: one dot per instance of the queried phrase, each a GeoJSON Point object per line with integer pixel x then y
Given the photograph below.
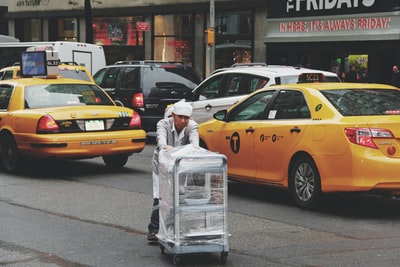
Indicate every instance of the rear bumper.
{"type": "Point", "coordinates": [362, 172]}
{"type": "Point", "coordinates": [83, 145]}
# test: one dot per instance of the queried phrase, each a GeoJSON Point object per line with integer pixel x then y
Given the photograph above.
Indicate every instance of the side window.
{"type": "Point", "coordinates": [6, 75]}
{"type": "Point", "coordinates": [257, 83]}
{"type": "Point", "coordinates": [289, 105]}
{"type": "Point", "coordinates": [236, 85]}
{"type": "Point", "coordinates": [99, 76]}
{"type": "Point", "coordinates": [110, 78]}
{"type": "Point", "coordinates": [209, 90]}
{"type": "Point", "coordinates": [5, 95]}
{"type": "Point", "coordinates": [130, 78]}
{"type": "Point", "coordinates": [254, 108]}
{"type": "Point", "coordinates": [9, 75]}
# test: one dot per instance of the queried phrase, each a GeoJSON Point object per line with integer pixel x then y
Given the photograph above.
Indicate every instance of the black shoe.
{"type": "Point", "coordinates": [152, 237]}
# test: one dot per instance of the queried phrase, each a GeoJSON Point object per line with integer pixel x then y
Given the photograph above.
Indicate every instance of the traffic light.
{"type": "Point", "coordinates": [210, 36]}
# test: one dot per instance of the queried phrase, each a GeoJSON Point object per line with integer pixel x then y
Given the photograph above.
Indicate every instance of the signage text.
{"type": "Point", "coordinates": [310, 5]}
{"type": "Point", "coordinates": [22, 3]}
{"type": "Point", "coordinates": [336, 25]}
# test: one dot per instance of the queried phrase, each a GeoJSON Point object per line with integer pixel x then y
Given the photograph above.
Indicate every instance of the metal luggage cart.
{"type": "Point", "coordinates": [193, 205]}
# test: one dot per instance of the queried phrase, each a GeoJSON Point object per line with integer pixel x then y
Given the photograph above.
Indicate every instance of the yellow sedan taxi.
{"type": "Point", "coordinates": [56, 117]}
{"type": "Point", "coordinates": [312, 138]}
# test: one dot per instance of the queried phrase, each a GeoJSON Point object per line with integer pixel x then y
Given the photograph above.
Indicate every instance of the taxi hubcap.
{"type": "Point", "coordinates": [304, 182]}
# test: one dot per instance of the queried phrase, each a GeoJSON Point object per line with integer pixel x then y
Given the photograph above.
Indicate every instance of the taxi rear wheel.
{"type": "Point", "coordinates": [115, 161]}
{"type": "Point", "coordinates": [10, 156]}
{"type": "Point", "coordinates": [305, 182]}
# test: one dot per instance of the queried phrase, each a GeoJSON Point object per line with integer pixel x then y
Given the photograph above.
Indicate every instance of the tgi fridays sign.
{"type": "Point", "coordinates": [302, 8]}
{"type": "Point", "coordinates": [332, 20]}
{"type": "Point", "coordinates": [343, 24]}
{"type": "Point", "coordinates": [334, 28]}
{"type": "Point", "coordinates": [298, 5]}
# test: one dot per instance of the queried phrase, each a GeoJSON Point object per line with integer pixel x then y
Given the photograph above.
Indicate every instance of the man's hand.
{"type": "Point", "coordinates": [167, 147]}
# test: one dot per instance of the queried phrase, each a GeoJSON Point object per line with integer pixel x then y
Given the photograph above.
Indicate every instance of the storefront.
{"type": "Point", "coordinates": [166, 30]}
{"type": "Point", "coordinates": [335, 34]}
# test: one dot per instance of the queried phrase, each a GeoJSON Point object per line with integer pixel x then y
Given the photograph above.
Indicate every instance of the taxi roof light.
{"type": "Point", "coordinates": [39, 63]}
{"type": "Point", "coordinates": [311, 77]}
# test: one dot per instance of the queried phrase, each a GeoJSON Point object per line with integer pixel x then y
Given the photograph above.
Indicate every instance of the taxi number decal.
{"type": "Point", "coordinates": [94, 125]}
{"type": "Point", "coordinates": [235, 142]}
{"type": "Point", "coordinates": [100, 142]}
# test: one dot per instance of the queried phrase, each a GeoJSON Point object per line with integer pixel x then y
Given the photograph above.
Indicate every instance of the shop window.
{"type": "Point", "coordinates": [173, 38]}
{"type": "Point", "coordinates": [233, 38]}
{"type": "Point", "coordinates": [118, 31]}
{"type": "Point", "coordinates": [68, 29]}
{"type": "Point", "coordinates": [29, 30]}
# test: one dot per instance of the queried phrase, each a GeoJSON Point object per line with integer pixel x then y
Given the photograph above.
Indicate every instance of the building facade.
{"type": "Point", "coordinates": [324, 34]}
{"type": "Point", "coordinates": [336, 34]}
{"type": "Point", "coordinates": [148, 29]}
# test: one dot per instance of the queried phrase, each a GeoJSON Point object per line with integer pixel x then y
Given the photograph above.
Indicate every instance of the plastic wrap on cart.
{"type": "Point", "coordinates": [193, 189]}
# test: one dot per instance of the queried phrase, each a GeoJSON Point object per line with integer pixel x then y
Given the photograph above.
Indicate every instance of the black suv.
{"type": "Point", "coordinates": [147, 86]}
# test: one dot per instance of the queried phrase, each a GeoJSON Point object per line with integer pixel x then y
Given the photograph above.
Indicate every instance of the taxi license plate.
{"type": "Point", "coordinates": [94, 125]}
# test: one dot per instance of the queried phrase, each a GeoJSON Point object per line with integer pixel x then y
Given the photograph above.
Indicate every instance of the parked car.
{"type": "Point", "coordinates": [147, 86]}
{"type": "Point", "coordinates": [225, 87]}
{"type": "Point", "coordinates": [66, 69]}
{"type": "Point", "coordinates": [64, 118]}
{"type": "Point", "coordinates": [312, 138]}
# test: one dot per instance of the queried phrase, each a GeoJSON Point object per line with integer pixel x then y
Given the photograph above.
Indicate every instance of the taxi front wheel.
{"type": "Point", "coordinates": [115, 161]}
{"type": "Point", "coordinates": [305, 182]}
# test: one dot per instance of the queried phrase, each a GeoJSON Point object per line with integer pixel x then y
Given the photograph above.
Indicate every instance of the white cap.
{"type": "Point", "coordinates": [182, 108]}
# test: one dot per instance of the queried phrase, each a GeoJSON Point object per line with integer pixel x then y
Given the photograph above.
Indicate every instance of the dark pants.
{"type": "Point", "coordinates": [155, 217]}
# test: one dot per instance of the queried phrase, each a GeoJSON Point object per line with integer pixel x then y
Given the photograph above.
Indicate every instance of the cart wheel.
{"type": "Point", "coordinates": [224, 256]}
{"type": "Point", "coordinates": [162, 249]}
{"type": "Point", "coordinates": [176, 260]}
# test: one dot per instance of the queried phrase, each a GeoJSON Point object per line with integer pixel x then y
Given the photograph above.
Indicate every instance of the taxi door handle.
{"type": "Point", "coordinates": [208, 107]}
{"type": "Point", "coordinates": [295, 130]}
{"type": "Point", "coordinates": [249, 130]}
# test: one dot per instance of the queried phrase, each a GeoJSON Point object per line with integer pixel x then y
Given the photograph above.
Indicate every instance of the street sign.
{"type": "Point", "coordinates": [142, 26]}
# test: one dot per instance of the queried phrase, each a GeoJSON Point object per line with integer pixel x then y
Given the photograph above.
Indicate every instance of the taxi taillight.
{"type": "Point", "coordinates": [365, 136]}
{"type": "Point", "coordinates": [138, 100]}
{"type": "Point", "coordinates": [135, 121]}
{"type": "Point", "coordinates": [47, 124]}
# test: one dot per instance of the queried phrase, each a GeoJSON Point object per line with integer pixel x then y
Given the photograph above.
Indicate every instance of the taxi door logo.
{"type": "Point", "coordinates": [235, 142]}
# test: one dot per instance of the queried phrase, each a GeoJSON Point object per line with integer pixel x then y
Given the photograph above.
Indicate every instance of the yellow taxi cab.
{"type": "Point", "coordinates": [65, 69]}
{"type": "Point", "coordinates": [312, 138]}
{"type": "Point", "coordinates": [49, 116]}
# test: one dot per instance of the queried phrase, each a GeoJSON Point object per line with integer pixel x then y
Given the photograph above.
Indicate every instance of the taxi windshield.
{"type": "Point", "coordinates": [364, 102]}
{"type": "Point", "coordinates": [58, 95]}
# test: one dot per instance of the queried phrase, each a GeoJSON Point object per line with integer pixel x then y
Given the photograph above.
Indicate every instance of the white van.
{"type": "Point", "coordinates": [89, 55]}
